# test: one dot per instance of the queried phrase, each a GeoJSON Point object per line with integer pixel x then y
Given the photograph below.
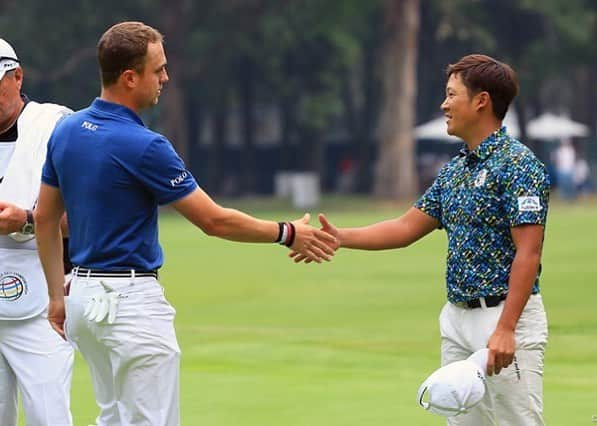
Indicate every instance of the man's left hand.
{"type": "Point", "coordinates": [12, 218]}
{"type": "Point", "coordinates": [56, 315]}
{"type": "Point", "coordinates": [501, 346]}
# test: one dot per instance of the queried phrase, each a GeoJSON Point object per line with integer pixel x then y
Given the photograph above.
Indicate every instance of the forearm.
{"type": "Point", "coordinates": [222, 222]}
{"type": "Point", "coordinates": [389, 234]}
{"type": "Point", "coordinates": [49, 245]}
{"type": "Point", "coordinates": [235, 225]}
{"type": "Point", "coordinates": [522, 277]}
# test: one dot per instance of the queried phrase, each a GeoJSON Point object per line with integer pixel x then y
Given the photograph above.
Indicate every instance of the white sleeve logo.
{"type": "Point", "coordinates": [178, 179]}
{"type": "Point", "coordinates": [529, 204]}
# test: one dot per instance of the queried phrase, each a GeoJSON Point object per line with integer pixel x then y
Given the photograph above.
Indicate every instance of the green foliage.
{"type": "Point", "coordinates": [298, 47]}
{"type": "Point", "coordinates": [318, 58]}
{"type": "Point", "coordinates": [56, 42]}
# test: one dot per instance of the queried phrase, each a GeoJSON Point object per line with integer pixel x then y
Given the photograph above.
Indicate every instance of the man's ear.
{"type": "Point", "coordinates": [129, 78]}
{"type": "Point", "coordinates": [482, 100]}
{"type": "Point", "coordinates": [19, 77]}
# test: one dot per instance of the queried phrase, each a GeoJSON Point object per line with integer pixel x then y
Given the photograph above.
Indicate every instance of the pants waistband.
{"type": "Point", "coordinates": [102, 273]}
{"type": "Point", "coordinates": [487, 301]}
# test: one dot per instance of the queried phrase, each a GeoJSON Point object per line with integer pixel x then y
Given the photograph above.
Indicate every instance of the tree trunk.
{"type": "Point", "coordinates": [370, 109]}
{"type": "Point", "coordinates": [246, 81]}
{"type": "Point", "coordinates": [173, 98]}
{"type": "Point", "coordinates": [215, 159]}
{"type": "Point", "coordinates": [396, 165]}
{"type": "Point", "coordinates": [592, 89]}
{"type": "Point", "coordinates": [287, 109]}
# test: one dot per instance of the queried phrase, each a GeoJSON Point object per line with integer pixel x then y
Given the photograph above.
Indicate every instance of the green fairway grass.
{"type": "Point", "coordinates": [266, 342]}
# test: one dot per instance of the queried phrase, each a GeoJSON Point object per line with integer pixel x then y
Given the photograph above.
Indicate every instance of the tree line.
{"type": "Point", "coordinates": [312, 71]}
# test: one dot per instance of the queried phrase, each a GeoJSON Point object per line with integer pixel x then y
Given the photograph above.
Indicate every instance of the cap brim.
{"type": "Point", "coordinates": [6, 66]}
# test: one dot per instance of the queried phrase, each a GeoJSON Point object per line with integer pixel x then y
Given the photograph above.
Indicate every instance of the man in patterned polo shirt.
{"type": "Point", "coordinates": [492, 201]}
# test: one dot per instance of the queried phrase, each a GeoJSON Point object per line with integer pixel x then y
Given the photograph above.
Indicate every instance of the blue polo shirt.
{"type": "Point", "coordinates": [478, 197]}
{"type": "Point", "coordinates": [113, 173]}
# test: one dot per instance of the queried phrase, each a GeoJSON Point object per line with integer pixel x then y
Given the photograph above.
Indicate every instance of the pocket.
{"type": "Point", "coordinates": [531, 330]}
{"type": "Point", "coordinates": [443, 321]}
{"type": "Point", "coordinates": [67, 321]}
{"type": "Point", "coordinates": [73, 307]}
{"type": "Point", "coordinates": [157, 306]}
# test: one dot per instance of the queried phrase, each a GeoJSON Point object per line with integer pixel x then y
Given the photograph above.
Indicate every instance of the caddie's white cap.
{"type": "Point", "coordinates": [455, 388]}
{"type": "Point", "coordinates": [8, 58]}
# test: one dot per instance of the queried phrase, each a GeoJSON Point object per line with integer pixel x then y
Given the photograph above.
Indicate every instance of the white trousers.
{"type": "Point", "coordinates": [515, 396]}
{"type": "Point", "coordinates": [134, 362]}
{"type": "Point", "coordinates": [36, 361]}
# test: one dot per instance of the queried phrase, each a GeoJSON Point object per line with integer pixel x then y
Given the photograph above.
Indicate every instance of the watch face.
{"type": "Point", "coordinates": [28, 228]}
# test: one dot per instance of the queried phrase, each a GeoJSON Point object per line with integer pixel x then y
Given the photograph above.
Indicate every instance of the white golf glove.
{"type": "Point", "coordinates": [102, 305]}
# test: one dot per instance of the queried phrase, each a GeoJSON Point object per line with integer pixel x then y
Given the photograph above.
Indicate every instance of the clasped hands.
{"type": "Point", "coordinates": [324, 247]}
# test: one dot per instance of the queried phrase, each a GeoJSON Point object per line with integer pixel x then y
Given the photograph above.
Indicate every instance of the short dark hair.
{"type": "Point", "coordinates": [481, 73]}
{"type": "Point", "coordinates": [124, 46]}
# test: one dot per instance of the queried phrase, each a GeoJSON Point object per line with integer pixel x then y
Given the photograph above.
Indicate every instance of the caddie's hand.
{"type": "Point", "coordinates": [12, 218]}
{"type": "Point", "coordinates": [327, 227]}
{"type": "Point", "coordinates": [56, 315]}
{"type": "Point", "coordinates": [501, 347]}
{"type": "Point", "coordinates": [313, 243]}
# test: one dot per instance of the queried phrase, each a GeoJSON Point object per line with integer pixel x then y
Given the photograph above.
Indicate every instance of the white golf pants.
{"type": "Point", "coordinates": [515, 396]}
{"type": "Point", "coordinates": [35, 360]}
{"type": "Point", "coordinates": [134, 362]}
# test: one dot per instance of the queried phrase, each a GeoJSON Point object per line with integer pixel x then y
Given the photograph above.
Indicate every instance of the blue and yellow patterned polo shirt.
{"type": "Point", "coordinates": [477, 197]}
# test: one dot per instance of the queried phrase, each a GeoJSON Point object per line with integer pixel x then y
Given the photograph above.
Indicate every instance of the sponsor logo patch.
{"type": "Point", "coordinates": [12, 286]}
{"type": "Point", "coordinates": [529, 204]}
{"type": "Point", "coordinates": [480, 179]}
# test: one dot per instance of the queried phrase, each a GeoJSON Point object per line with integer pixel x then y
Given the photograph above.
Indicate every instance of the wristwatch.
{"type": "Point", "coordinates": [29, 227]}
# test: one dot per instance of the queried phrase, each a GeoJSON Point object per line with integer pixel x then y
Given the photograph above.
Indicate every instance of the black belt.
{"type": "Point", "coordinates": [102, 273]}
{"type": "Point", "coordinates": [490, 301]}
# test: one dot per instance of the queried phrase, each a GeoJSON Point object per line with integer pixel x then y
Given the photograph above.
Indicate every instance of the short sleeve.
{"type": "Point", "coordinates": [48, 174]}
{"type": "Point", "coordinates": [430, 201]}
{"type": "Point", "coordinates": [164, 174]}
{"type": "Point", "coordinates": [526, 191]}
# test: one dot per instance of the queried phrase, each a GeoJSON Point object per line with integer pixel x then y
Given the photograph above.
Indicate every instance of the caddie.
{"type": "Point", "coordinates": [33, 358]}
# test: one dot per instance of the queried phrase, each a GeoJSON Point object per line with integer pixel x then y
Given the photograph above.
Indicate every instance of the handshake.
{"type": "Point", "coordinates": [313, 245]}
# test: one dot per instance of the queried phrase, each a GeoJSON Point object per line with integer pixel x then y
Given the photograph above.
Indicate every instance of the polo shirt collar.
{"type": "Point", "coordinates": [487, 147]}
{"type": "Point", "coordinates": [102, 105]}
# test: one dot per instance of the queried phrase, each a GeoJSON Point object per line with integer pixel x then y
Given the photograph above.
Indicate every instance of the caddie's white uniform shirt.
{"type": "Point", "coordinates": [23, 290]}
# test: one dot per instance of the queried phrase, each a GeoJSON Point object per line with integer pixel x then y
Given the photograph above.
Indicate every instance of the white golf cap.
{"type": "Point", "coordinates": [8, 58]}
{"type": "Point", "coordinates": [455, 388]}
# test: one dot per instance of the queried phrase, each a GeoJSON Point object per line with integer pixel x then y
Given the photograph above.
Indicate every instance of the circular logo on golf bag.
{"type": "Point", "coordinates": [12, 286]}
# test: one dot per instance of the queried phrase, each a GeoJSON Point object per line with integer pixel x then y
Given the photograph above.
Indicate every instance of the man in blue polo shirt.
{"type": "Point", "coordinates": [110, 173]}
{"type": "Point", "coordinates": [492, 201]}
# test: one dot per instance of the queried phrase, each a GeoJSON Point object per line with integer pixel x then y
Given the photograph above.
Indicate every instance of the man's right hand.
{"type": "Point", "coordinates": [56, 315]}
{"type": "Point", "coordinates": [334, 245]}
{"type": "Point", "coordinates": [312, 243]}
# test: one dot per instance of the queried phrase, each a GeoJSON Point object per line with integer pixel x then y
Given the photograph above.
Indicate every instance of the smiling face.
{"type": "Point", "coordinates": [460, 108]}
